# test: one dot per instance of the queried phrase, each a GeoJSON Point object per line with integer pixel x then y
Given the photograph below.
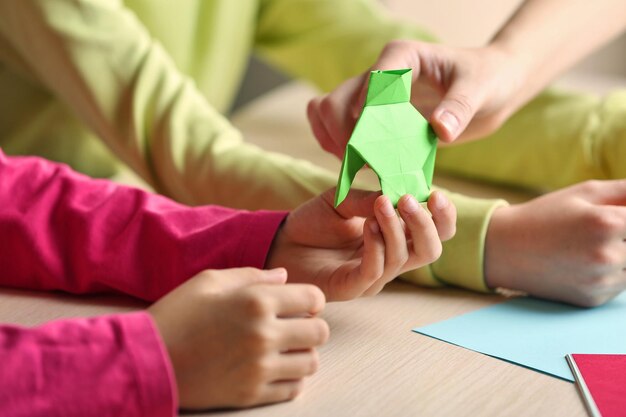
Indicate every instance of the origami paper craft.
{"type": "Point", "coordinates": [393, 138]}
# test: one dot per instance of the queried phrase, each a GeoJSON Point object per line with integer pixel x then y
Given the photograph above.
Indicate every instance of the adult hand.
{"type": "Point", "coordinates": [238, 337]}
{"type": "Point", "coordinates": [463, 92]}
{"type": "Point", "coordinates": [567, 245]}
{"type": "Point", "coordinates": [357, 248]}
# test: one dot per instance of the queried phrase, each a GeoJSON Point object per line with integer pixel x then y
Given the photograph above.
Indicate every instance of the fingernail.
{"type": "Point", "coordinates": [449, 121]}
{"type": "Point", "coordinates": [440, 201]}
{"type": "Point", "coordinates": [374, 226]}
{"type": "Point", "coordinates": [386, 208]}
{"type": "Point", "coordinates": [410, 204]}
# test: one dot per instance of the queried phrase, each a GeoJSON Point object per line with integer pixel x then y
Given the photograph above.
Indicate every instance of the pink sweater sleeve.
{"type": "Point", "coordinates": [60, 230]}
{"type": "Point", "coordinates": [104, 366]}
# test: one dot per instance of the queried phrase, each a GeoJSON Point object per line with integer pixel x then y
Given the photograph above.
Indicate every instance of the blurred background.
{"type": "Point", "coordinates": [463, 23]}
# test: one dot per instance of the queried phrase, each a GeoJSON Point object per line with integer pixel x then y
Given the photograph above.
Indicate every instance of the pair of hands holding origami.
{"type": "Point", "coordinates": [567, 245]}
{"type": "Point", "coordinates": [463, 93]}
{"type": "Point", "coordinates": [264, 331]}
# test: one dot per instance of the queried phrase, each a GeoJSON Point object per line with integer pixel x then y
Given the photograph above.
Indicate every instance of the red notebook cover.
{"type": "Point", "coordinates": [602, 382]}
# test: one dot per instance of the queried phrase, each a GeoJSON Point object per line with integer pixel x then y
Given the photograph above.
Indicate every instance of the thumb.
{"type": "Point", "coordinates": [271, 276]}
{"type": "Point", "coordinates": [358, 203]}
{"type": "Point", "coordinates": [231, 279]}
{"type": "Point", "coordinates": [455, 112]}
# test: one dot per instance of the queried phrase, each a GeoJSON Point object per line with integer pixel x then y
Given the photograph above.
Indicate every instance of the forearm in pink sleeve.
{"type": "Point", "coordinates": [60, 230]}
{"type": "Point", "coordinates": [105, 366]}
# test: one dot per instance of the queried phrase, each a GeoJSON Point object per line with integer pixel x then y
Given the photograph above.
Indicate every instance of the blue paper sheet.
{"type": "Point", "coordinates": [537, 334]}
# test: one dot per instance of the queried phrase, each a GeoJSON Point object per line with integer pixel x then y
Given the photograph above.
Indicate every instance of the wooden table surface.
{"type": "Point", "coordinates": [373, 365]}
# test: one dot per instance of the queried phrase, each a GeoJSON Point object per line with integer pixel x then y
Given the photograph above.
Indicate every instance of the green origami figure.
{"type": "Point", "coordinates": [393, 138]}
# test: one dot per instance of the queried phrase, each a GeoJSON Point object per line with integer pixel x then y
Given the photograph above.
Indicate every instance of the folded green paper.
{"type": "Point", "coordinates": [393, 138]}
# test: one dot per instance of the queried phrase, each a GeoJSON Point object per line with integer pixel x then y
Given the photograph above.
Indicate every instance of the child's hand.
{"type": "Point", "coordinates": [239, 337]}
{"type": "Point", "coordinates": [349, 256]}
{"type": "Point", "coordinates": [567, 245]}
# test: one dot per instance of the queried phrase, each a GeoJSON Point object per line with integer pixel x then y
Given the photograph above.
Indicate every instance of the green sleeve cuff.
{"type": "Point", "coordinates": [461, 263]}
{"type": "Point", "coordinates": [422, 276]}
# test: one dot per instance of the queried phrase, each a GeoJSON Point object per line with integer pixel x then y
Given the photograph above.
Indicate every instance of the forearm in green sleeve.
{"type": "Point", "coordinates": [327, 41]}
{"type": "Point", "coordinates": [96, 57]}
{"type": "Point", "coordinates": [461, 262]}
{"type": "Point", "coordinates": [611, 133]}
{"type": "Point", "coordinates": [556, 140]}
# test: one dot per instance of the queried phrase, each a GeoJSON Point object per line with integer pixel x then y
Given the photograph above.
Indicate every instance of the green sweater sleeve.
{"type": "Point", "coordinates": [327, 41]}
{"type": "Point", "coordinates": [98, 59]}
{"type": "Point", "coordinates": [558, 139]}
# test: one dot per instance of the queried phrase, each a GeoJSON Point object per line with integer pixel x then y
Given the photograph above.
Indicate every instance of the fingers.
{"type": "Point", "coordinates": [386, 258]}
{"type": "Point", "coordinates": [280, 391]}
{"type": "Point", "coordinates": [358, 104]}
{"type": "Point", "coordinates": [444, 215]}
{"type": "Point", "coordinates": [330, 118]}
{"type": "Point", "coordinates": [359, 98]}
{"type": "Point", "coordinates": [606, 223]}
{"type": "Point", "coordinates": [426, 246]}
{"type": "Point", "coordinates": [358, 203]}
{"type": "Point", "coordinates": [302, 333]}
{"type": "Point", "coordinates": [385, 251]}
{"type": "Point", "coordinates": [266, 276]}
{"type": "Point", "coordinates": [234, 278]}
{"type": "Point", "coordinates": [612, 285]}
{"type": "Point", "coordinates": [396, 253]}
{"type": "Point", "coordinates": [296, 299]}
{"type": "Point", "coordinates": [607, 278]}
{"type": "Point", "coordinates": [597, 291]}
{"type": "Point", "coordinates": [373, 264]}
{"type": "Point", "coordinates": [373, 270]}
{"type": "Point", "coordinates": [319, 128]}
{"type": "Point", "coordinates": [296, 365]}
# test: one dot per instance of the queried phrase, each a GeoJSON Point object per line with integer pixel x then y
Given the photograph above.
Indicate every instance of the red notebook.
{"type": "Point", "coordinates": [602, 382]}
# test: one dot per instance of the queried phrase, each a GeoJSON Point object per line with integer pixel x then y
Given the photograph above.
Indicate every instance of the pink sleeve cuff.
{"type": "Point", "coordinates": [258, 237]}
{"type": "Point", "coordinates": [156, 381]}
